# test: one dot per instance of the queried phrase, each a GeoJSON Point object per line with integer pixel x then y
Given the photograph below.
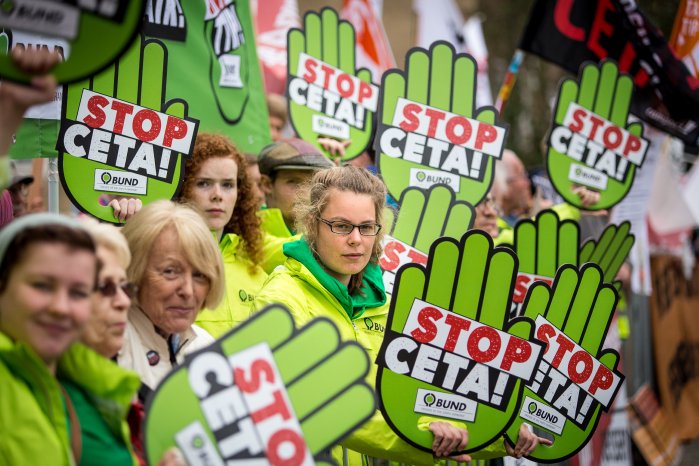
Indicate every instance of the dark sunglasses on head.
{"type": "Point", "coordinates": [109, 289]}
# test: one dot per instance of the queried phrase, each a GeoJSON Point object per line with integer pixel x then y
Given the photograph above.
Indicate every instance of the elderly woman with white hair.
{"type": "Point", "coordinates": [178, 270]}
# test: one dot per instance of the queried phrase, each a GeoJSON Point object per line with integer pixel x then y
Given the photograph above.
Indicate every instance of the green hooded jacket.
{"type": "Point", "coordinates": [308, 291]}
{"type": "Point", "coordinates": [33, 421]}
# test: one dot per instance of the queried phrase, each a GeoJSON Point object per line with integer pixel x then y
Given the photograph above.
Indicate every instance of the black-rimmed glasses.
{"type": "Point", "coordinates": [340, 227]}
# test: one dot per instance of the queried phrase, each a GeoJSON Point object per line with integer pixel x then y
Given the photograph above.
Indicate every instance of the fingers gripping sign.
{"type": "Point", "coordinates": [429, 129]}
{"type": "Point", "coordinates": [577, 378]}
{"type": "Point", "coordinates": [328, 95]}
{"type": "Point", "coordinates": [265, 392]}
{"type": "Point", "coordinates": [449, 350]}
{"type": "Point", "coordinates": [423, 218]}
{"type": "Point", "coordinates": [591, 143]}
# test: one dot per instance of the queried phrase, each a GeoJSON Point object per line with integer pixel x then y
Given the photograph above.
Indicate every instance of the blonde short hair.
{"type": "Point", "coordinates": [110, 238]}
{"type": "Point", "coordinates": [196, 241]}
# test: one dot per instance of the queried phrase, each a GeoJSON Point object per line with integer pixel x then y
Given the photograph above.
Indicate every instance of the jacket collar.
{"type": "Point", "coordinates": [373, 293]}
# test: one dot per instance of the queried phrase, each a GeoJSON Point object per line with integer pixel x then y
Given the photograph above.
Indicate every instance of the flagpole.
{"type": "Point", "coordinates": [509, 81]}
{"type": "Point", "coordinates": [53, 185]}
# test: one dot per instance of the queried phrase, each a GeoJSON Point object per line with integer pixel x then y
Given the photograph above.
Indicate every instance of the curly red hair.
{"type": "Point", "coordinates": [244, 221]}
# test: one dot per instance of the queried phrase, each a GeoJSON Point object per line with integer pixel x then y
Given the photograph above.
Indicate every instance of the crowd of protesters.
{"type": "Point", "coordinates": [92, 317]}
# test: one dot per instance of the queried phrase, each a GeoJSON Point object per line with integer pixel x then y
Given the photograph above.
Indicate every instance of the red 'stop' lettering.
{"type": "Point", "coordinates": [95, 106]}
{"type": "Point", "coordinates": [259, 370]}
{"type": "Point", "coordinates": [426, 319]}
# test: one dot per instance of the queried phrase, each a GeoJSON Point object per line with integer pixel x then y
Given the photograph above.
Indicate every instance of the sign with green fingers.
{"type": "Point", "coordinates": [577, 378]}
{"type": "Point", "coordinates": [328, 95]}
{"type": "Point", "coordinates": [591, 143]}
{"type": "Point", "coordinates": [120, 137]}
{"type": "Point", "coordinates": [79, 27]}
{"type": "Point", "coordinates": [265, 392]}
{"type": "Point", "coordinates": [450, 349]}
{"type": "Point", "coordinates": [208, 59]}
{"type": "Point", "coordinates": [545, 243]}
{"type": "Point", "coordinates": [542, 245]}
{"type": "Point", "coordinates": [609, 251]}
{"type": "Point", "coordinates": [429, 131]}
{"type": "Point", "coordinates": [424, 217]}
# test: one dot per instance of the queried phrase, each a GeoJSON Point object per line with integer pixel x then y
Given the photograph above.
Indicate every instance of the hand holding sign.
{"type": "Point", "coordinates": [423, 218]}
{"type": "Point", "coordinates": [591, 143]}
{"type": "Point", "coordinates": [123, 139]}
{"type": "Point", "coordinates": [577, 378]}
{"type": "Point", "coordinates": [449, 351]}
{"type": "Point", "coordinates": [328, 96]}
{"type": "Point", "coordinates": [429, 126]}
{"type": "Point", "coordinates": [264, 391]}
{"type": "Point", "coordinates": [542, 245]}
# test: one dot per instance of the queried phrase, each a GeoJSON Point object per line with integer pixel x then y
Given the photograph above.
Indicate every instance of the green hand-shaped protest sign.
{"type": "Point", "coordinates": [424, 217]}
{"type": "Point", "coordinates": [449, 343]}
{"type": "Point", "coordinates": [546, 243]}
{"type": "Point", "coordinates": [430, 132]}
{"type": "Point", "coordinates": [591, 144]}
{"type": "Point", "coordinates": [328, 95]}
{"type": "Point", "coordinates": [263, 391]}
{"type": "Point", "coordinates": [120, 138]}
{"type": "Point", "coordinates": [542, 245]}
{"type": "Point", "coordinates": [610, 251]}
{"type": "Point", "coordinates": [81, 28]}
{"type": "Point", "coordinates": [577, 378]}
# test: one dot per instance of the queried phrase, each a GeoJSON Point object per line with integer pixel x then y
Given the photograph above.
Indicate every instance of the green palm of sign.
{"type": "Point", "coordinates": [331, 41]}
{"type": "Point", "coordinates": [323, 377]}
{"type": "Point", "coordinates": [426, 216]}
{"type": "Point", "coordinates": [545, 243]}
{"type": "Point", "coordinates": [542, 245]}
{"type": "Point", "coordinates": [142, 75]}
{"type": "Point", "coordinates": [442, 79]}
{"type": "Point", "coordinates": [581, 307]}
{"type": "Point", "coordinates": [606, 93]}
{"type": "Point", "coordinates": [473, 281]}
{"type": "Point", "coordinates": [89, 52]}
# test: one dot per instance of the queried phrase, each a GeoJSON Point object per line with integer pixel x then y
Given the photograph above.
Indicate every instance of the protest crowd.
{"type": "Point", "coordinates": [107, 297]}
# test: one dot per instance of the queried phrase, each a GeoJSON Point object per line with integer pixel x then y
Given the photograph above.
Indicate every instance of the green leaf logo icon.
{"type": "Point", "coordinates": [197, 442]}
{"type": "Point", "coordinates": [429, 399]}
{"type": "Point", "coordinates": [106, 177]}
{"type": "Point", "coordinates": [421, 176]}
{"type": "Point", "coordinates": [532, 407]}
{"type": "Point", "coordinates": [242, 295]}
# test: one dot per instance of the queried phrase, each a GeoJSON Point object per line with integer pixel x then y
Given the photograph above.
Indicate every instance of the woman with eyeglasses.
{"type": "Point", "coordinates": [104, 331]}
{"type": "Point", "coordinates": [333, 271]}
{"type": "Point", "coordinates": [487, 216]}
